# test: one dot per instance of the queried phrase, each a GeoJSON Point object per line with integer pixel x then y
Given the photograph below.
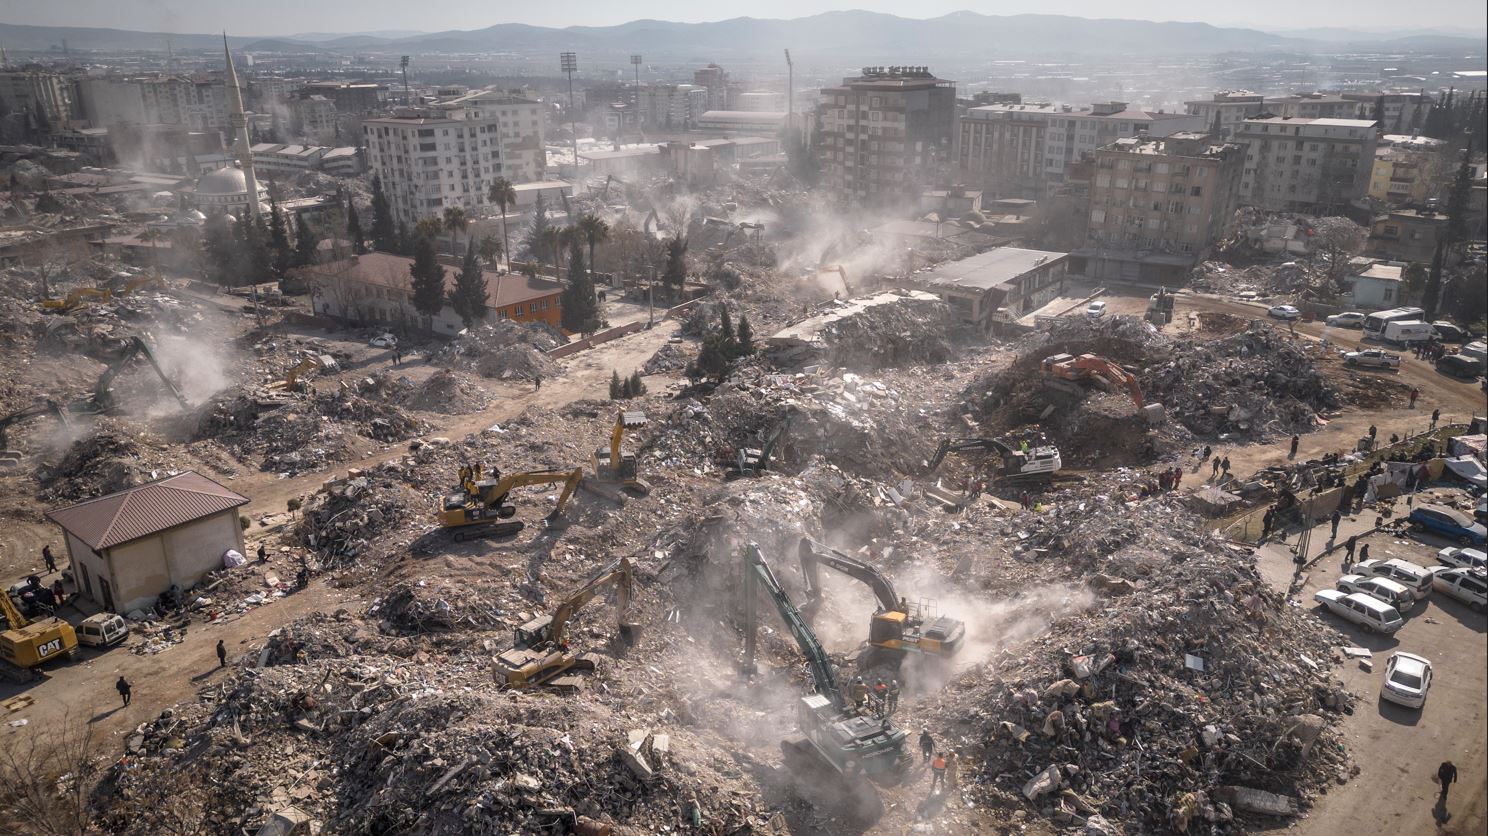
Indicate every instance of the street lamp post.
{"type": "Point", "coordinates": [635, 61]}
{"type": "Point", "coordinates": [569, 62]}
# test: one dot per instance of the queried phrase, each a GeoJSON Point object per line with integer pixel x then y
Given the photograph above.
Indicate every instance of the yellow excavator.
{"type": "Point", "coordinates": [477, 508]}
{"type": "Point", "coordinates": [29, 644]}
{"type": "Point", "coordinates": [71, 300]}
{"type": "Point", "coordinates": [614, 469]}
{"type": "Point", "coordinates": [540, 655]}
{"type": "Point", "coordinates": [292, 377]}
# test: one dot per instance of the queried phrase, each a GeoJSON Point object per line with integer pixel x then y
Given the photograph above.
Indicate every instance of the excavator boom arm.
{"type": "Point", "coordinates": [813, 553]}
{"type": "Point", "coordinates": [618, 574]}
{"type": "Point", "coordinates": [961, 445]}
{"type": "Point", "coordinates": [756, 571]}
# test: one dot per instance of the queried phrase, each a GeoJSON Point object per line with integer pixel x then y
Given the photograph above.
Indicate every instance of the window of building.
{"type": "Point", "coordinates": [1196, 191]}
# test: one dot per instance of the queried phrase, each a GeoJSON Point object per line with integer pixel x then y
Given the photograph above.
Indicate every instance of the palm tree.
{"type": "Point", "coordinates": [504, 195]}
{"type": "Point", "coordinates": [152, 235]}
{"type": "Point", "coordinates": [428, 228]}
{"type": "Point", "coordinates": [595, 231]}
{"type": "Point", "coordinates": [455, 222]}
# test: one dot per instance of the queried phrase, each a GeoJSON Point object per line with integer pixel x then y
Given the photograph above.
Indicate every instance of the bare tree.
{"type": "Point", "coordinates": [337, 283]}
{"type": "Point", "coordinates": [1334, 241]}
{"type": "Point", "coordinates": [53, 261]}
{"type": "Point", "coordinates": [47, 777]}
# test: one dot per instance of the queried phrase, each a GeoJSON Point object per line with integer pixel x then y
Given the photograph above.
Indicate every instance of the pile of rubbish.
{"type": "Point", "coordinates": [1190, 694]}
{"type": "Point", "coordinates": [341, 520]}
{"type": "Point", "coordinates": [885, 330]}
{"type": "Point", "coordinates": [705, 316]}
{"type": "Point", "coordinates": [668, 358]}
{"type": "Point", "coordinates": [447, 393]}
{"type": "Point", "coordinates": [111, 459]}
{"type": "Point", "coordinates": [296, 433]}
{"type": "Point", "coordinates": [504, 350]}
{"type": "Point", "coordinates": [1257, 383]}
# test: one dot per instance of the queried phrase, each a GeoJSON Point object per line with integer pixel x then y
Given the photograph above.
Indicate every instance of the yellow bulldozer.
{"type": "Point", "coordinates": [30, 644]}
{"type": "Point", "coordinates": [479, 505]}
{"type": "Point", "coordinates": [540, 655]}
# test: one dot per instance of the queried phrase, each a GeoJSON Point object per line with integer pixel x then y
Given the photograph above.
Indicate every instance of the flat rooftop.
{"type": "Point", "coordinates": [993, 268]}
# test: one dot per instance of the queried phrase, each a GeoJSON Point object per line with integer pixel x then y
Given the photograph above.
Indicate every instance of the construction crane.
{"type": "Point", "coordinates": [751, 461]}
{"type": "Point", "coordinates": [1033, 463]}
{"type": "Point", "coordinates": [102, 399]}
{"type": "Point", "coordinates": [28, 644]}
{"type": "Point", "coordinates": [835, 738]}
{"type": "Point", "coordinates": [47, 407]}
{"type": "Point", "coordinates": [1065, 372]}
{"type": "Point", "coordinates": [895, 626]}
{"type": "Point", "coordinates": [476, 509]}
{"type": "Point", "coordinates": [614, 469]}
{"type": "Point", "coordinates": [540, 654]}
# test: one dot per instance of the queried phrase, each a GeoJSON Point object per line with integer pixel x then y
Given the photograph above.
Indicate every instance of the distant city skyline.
{"type": "Point", "coordinates": [280, 18]}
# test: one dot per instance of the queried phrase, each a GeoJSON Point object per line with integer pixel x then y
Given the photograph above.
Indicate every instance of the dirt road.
{"type": "Point", "coordinates": [1398, 749]}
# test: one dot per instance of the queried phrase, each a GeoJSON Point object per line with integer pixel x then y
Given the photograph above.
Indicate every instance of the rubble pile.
{"type": "Point", "coordinates": [668, 358]}
{"type": "Point", "coordinates": [342, 519]}
{"type": "Point", "coordinates": [297, 433]}
{"type": "Point", "coordinates": [885, 330]}
{"type": "Point", "coordinates": [1256, 383]}
{"type": "Point", "coordinates": [1184, 696]}
{"type": "Point", "coordinates": [706, 315]}
{"type": "Point", "coordinates": [111, 458]}
{"type": "Point", "coordinates": [504, 350]}
{"type": "Point", "coordinates": [447, 393]}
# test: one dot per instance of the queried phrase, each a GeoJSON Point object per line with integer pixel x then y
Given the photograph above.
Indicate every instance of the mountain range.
{"type": "Point", "coordinates": [837, 35]}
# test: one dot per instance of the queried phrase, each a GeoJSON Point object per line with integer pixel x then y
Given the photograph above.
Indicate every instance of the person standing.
{"type": "Point", "coordinates": [1414, 393]}
{"type": "Point", "coordinates": [927, 744]}
{"type": "Point", "coordinates": [263, 553]}
{"type": "Point", "coordinates": [1336, 519]}
{"type": "Point", "coordinates": [1363, 552]}
{"type": "Point", "coordinates": [57, 594]}
{"type": "Point", "coordinates": [1348, 551]}
{"type": "Point", "coordinates": [1435, 416]}
{"type": "Point", "coordinates": [221, 654]}
{"type": "Point", "coordinates": [1268, 522]}
{"type": "Point", "coordinates": [937, 772]}
{"type": "Point", "coordinates": [46, 555]}
{"type": "Point", "coordinates": [1215, 474]}
{"type": "Point", "coordinates": [124, 689]}
{"type": "Point", "coordinates": [1225, 465]}
{"type": "Point", "coordinates": [536, 382]}
{"type": "Point", "coordinates": [893, 698]}
{"type": "Point", "coordinates": [1296, 440]}
{"type": "Point", "coordinates": [1447, 775]}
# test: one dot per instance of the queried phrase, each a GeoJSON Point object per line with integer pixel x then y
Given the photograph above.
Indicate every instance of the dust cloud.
{"type": "Point", "coordinates": [198, 368]}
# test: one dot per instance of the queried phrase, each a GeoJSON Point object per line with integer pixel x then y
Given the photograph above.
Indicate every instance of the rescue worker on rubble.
{"type": "Point", "coordinates": [858, 692]}
{"type": "Point", "coordinates": [927, 744]}
{"type": "Point", "coordinates": [892, 698]}
{"type": "Point", "coordinates": [937, 771]}
{"type": "Point", "coordinates": [1296, 440]}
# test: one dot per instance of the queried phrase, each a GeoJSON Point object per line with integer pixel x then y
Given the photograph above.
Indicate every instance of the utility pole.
{"type": "Point", "coordinates": [790, 97]}
{"type": "Point", "coordinates": [635, 61]}
{"type": "Point", "coordinates": [403, 63]}
{"type": "Point", "coordinates": [569, 62]}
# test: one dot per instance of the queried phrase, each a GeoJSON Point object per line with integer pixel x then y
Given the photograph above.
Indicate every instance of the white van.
{"type": "Point", "coordinates": [1363, 610]}
{"type": "Point", "coordinates": [102, 630]}
{"type": "Point", "coordinates": [1405, 333]}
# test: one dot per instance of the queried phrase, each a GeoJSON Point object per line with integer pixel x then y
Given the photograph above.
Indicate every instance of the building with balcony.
{"type": "Point", "coordinates": [887, 133]}
{"type": "Point", "coordinates": [1306, 165]}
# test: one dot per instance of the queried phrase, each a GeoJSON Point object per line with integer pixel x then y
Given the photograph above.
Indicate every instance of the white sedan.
{"type": "Point", "coordinates": [1407, 679]}
{"type": "Point", "coordinates": [385, 341]}
{"type": "Point", "coordinates": [1284, 312]}
{"type": "Point", "coordinates": [1347, 319]}
{"type": "Point", "coordinates": [1466, 558]}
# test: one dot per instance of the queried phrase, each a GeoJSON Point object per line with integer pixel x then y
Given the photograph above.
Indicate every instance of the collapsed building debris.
{"type": "Point", "coordinates": [504, 350]}
{"type": "Point", "coordinates": [879, 331]}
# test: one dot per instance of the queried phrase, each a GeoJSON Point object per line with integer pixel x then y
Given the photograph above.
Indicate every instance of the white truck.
{"type": "Point", "coordinates": [1407, 332]}
{"type": "Point", "coordinates": [1372, 358]}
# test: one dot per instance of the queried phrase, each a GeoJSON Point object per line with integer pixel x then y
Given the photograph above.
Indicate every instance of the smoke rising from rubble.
{"type": "Point", "coordinates": [198, 369]}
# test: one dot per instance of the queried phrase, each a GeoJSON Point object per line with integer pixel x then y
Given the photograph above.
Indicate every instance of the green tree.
{"type": "Point", "coordinates": [490, 251]}
{"type": "Point", "coordinates": [1458, 200]}
{"type": "Point", "coordinates": [354, 228]}
{"type": "Point", "coordinates": [617, 390]}
{"type": "Point", "coordinates": [712, 362]}
{"type": "Point", "coordinates": [428, 278]}
{"type": "Point", "coordinates": [576, 265]}
{"type": "Point", "coordinates": [1431, 299]}
{"type": "Point", "coordinates": [539, 240]}
{"type": "Point", "coordinates": [504, 195]}
{"type": "Point", "coordinates": [552, 244]}
{"type": "Point", "coordinates": [257, 261]}
{"type": "Point", "coordinates": [745, 337]}
{"type": "Point", "coordinates": [595, 231]}
{"type": "Point", "coordinates": [468, 297]}
{"type": "Point", "coordinates": [579, 303]}
{"type": "Point", "coordinates": [306, 243]}
{"type": "Point", "coordinates": [385, 235]}
{"type": "Point", "coordinates": [636, 385]}
{"type": "Point", "coordinates": [403, 242]}
{"type": "Point", "coordinates": [675, 275]}
{"type": "Point", "coordinates": [279, 249]}
{"type": "Point", "coordinates": [455, 222]}
{"type": "Point", "coordinates": [221, 245]}
{"type": "Point", "coordinates": [726, 331]}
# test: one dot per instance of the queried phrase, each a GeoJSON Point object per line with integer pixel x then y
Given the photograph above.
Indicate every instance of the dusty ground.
{"type": "Point", "coordinates": [1398, 749]}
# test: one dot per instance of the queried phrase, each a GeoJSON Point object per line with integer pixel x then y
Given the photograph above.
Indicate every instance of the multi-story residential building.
{"type": "Point", "coordinates": [1024, 150]}
{"type": "Point", "coordinates": [747, 122]}
{"type": "Point", "coordinates": [1407, 234]}
{"type": "Point", "coordinates": [46, 96]}
{"type": "Point", "coordinates": [1001, 148]}
{"type": "Point", "coordinates": [449, 154]}
{"type": "Point", "coordinates": [359, 98]}
{"type": "Point", "coordinates": [1313, 106]}
{"type": "Point", "coordinates": [1306, 165]}
{"type": "Point", "coordinates": [197, 103]}
{"type": "Point", "coordinates": [887, 133]}
{"type": "Point", "coordinates": [312, 117]}
{"type": "Point", "coordinates": [1157, 204]}
{"type": "Point", "coordinates": [1227, 110]}
{"type": "Point", "coordinates": [672, 106]}
{"type": "Point", "coordinates": [1403, 112]}
{"type": "Point", "coordinates": [715, 80]}
{"type": "Point", "coordinates": [758, 100]}
{"type": "Point", "coordinates": [1402, 174]}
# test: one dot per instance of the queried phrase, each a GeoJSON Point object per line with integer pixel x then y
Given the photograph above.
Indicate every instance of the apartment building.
{"type": "Point", "coordinates": [1026, 150]}
{"type": "Point", "coordinates": [1403, 112]}
{"type": "Point", "coordinates": [715, 80]}
{"type": "Point", "coordinates": [1402, 175]}
{"type": "Point", "coordinates": [1306, 165]}
{"type": "Point", "coordinates": [521, 122]}
{"type": "Point", "coordinates": [198, 103]}
{"type": "Point", "coordinates": [887, 133]}
{"type": "Point", "coordinates": [1227, 110]}
{"type": "Point", "coordinates": [672, 106]}
{"type": "Point", "coordinates": [360, 98]}
{"type": "Point", "coordinates": [1314, 106]}
{"type": "Point", "coordinates": [46, 96]}
{"type": "Point", "coordinates": [1157, 204]}
{"type": "Point", "coordinates": [312, 117]}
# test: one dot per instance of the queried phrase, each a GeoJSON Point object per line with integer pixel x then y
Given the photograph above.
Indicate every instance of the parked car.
{"type": "Point", "coordinates": [1447, 523]}
{"type": "Point", "coordinates": [1096, 310]}
{"type": "Point", "coordinates": [1391, 592]}
{"type": "Point", "coordinates": [1372, 358]}
{"type": "Point", "coordinates": [1407, 679]}
{"type": "Point", "coordinates": [1450, 333]}
{"type": "Point", "coordinates": [1470, 586]}
{"type": "Point", "coordinates": [102, 630]}
{"type": "Point", "coordinates": [385, 341]}
{"type": "Point", "coordinates": [1347, 319]}
{"type": "Point", "coordinates": [1284, 312]}
{"type": "Point", "coordinates": [1459, 365]}
{"type": "Point", "coordinates": [1469, 558]}
{"type": "Point", "coordinates": [1360, 609]}
{"type": "Point", "coordinates": [1415, 578]}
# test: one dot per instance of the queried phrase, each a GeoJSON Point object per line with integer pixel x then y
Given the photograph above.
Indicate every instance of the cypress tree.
{"type": "Point", "coordinates": [428, 278]}
{"type": "Point", "coordinates": [305, 242]}
{"type": "Point", "coordinates": [580, 304]}
{"type": "Point", "coordinates": [279, 247]}
{"type": "Point", "coordinates": [616, 390]}
{"type": "Point", "coordinates": [468, 297]}
{"type": "Point", "coordinates": [746, 336]}
{"type": "Point", "coordinates": [354, 228]}
{"type": "Point", "coordinates": [385, 235]}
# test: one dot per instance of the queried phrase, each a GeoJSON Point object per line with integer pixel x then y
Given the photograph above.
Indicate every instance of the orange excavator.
{"type": "Point", "coordinates": [1067, 373]}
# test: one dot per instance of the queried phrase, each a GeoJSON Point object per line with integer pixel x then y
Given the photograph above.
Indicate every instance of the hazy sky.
{"type": "Point", "coordinates": [284, 17]}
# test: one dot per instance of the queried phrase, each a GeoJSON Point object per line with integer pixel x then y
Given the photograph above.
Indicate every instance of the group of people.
{"type": "Point", "coordinates": [882, 698]}
{"type": "Point", "coordinates": [1430, 351]}
{"type": "Point", "coordinates": [944, 767]}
